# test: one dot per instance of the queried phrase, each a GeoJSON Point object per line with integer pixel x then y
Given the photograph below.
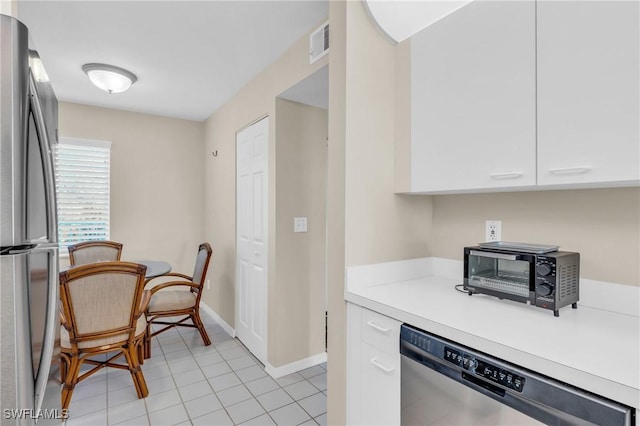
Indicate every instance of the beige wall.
{"type": "Point", "coordinates": [336, 336]}
{"type": "Point", "coordinates": [378, 225]}
{"type": "Point", "coordinates": [602, 224]}
{"type": "Point", "coordinates": [301, 172]}
{"type": "Point", "coordinates": [157, 210]}
{"type": "Point", "coordinates": [9, 7]}
{"type": "Point", "coordinates": [402, 151]}
{"type": "Point", "coordinates": [255, 100]}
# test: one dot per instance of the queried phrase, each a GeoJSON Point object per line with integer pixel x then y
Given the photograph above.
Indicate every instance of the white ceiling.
{"type": "Point", "coordinates": [190, 57]}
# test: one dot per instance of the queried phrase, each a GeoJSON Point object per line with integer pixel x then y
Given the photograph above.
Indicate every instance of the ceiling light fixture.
{"type": "Point", "coordinates": [109, 78]}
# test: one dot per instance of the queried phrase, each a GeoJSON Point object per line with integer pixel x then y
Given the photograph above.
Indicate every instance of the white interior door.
{"type": "Point", "coordinates": [252, 152]}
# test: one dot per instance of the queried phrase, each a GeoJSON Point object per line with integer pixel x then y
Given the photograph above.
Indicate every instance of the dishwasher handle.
{"type": "Point", "coordinates": [483, 384]}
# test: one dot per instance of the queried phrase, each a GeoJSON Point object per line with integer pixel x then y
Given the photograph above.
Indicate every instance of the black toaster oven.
{"type": "Point", "coordinates": [543, 278]}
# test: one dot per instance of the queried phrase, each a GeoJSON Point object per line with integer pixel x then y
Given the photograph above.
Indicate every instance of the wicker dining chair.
{"type": "Point", "coordinates": [94, 251]}
{"type": "Point", "coordinates": [102, 307]}
{"type": "Point", "coordinates": [178, 303]}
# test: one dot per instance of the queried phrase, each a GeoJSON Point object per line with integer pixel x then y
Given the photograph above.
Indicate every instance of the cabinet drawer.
{"type": "Point", "coordinates": [380, 331]}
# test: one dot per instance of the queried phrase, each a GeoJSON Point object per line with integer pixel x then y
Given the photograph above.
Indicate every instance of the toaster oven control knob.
{"type": "Point", "coordinates": [544, 290]}
{"type": "Point", "coordinates": [543, 269]}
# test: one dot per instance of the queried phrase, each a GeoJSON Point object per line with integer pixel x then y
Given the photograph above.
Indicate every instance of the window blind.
{"type": "Point", "coordinates": [82, 177]}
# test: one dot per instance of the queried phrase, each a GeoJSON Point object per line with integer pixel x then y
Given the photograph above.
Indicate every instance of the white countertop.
{"type": "Point", "coordinates": [594, 349]}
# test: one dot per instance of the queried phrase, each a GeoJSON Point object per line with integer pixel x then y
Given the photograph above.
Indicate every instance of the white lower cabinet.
{"type": "Point", "coordinates": [373, 368]}
{"type": "Point", "coordinates": [380, 383]}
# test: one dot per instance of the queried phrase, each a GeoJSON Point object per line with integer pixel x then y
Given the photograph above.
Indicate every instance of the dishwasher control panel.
{"type": "Point", "coordinates": [498, 375]}
{"type": "Point", "coordinates": [484, 369]}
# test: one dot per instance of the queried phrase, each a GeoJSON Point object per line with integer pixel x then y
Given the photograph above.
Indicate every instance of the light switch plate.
{"type": "Point", "coordinates": [299, 224]}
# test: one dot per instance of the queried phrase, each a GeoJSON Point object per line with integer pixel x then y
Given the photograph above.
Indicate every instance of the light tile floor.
{"type": "Point", "coordinates": [193, 384]}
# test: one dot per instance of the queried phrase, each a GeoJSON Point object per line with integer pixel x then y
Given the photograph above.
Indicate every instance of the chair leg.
{"type": "Point", "coordinates": [63, 367]}
{"type": "Point", "coordinates": [70, 380]}
{"type": "Point", "coordinates": [147, 341]}
{"type": "Point", "coordinates": [140, 384]}
{"type": "Point", "coordinates": [140, 349]}
{"type": "Point", "coordinates": [195, 317]}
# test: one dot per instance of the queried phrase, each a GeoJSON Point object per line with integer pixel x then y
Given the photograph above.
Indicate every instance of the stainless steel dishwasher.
{"type": "Point", "coordinates": [445, 383]}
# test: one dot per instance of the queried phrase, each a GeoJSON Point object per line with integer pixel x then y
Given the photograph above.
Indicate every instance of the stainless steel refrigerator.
{"type": "Point", "coordinates": [29, 316]}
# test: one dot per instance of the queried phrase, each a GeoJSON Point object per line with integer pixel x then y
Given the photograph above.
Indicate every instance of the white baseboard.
{"type": "Point", "coordinates": [277, 372]}
{"type": "Point", "coordinates": [213, 314]}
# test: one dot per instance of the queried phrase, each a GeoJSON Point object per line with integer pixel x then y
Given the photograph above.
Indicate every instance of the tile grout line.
{"type": "Point", "coordinates": [184, 406]}
{"type": "Point", "coordinates": [228, 361]}
{"type": "Point", "coordinates": [170, 372]}
{"type": "Point", "coordinates": [214, 391]}
{"type": "Point", "coordinates": [255, 397]}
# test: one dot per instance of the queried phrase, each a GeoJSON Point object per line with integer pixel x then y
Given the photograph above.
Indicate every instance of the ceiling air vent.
{"type": "Point", "coordinates": [319, 43]}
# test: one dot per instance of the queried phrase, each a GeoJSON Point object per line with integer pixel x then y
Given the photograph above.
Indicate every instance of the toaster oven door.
{"type": "Point", "coordinates": [509, 275]}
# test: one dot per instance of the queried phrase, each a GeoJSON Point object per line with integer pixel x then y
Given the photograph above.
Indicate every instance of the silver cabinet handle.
{"type": "Point", "coordinates": [570, 170]}
{"type": "Point", "coordinates": [378, 327]}
{"type": "Point", "coordinates": [381, 367]}
{"type": "Point", "coordinates": [508, 175]}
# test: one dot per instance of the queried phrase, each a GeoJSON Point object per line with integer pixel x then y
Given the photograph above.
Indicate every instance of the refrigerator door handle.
{"type": "Point", "coordinates": [50, 331]}
{"type": "Point", "coordinates": [13, 250]}
{"type": "Point", "coordinates": [47, 162]}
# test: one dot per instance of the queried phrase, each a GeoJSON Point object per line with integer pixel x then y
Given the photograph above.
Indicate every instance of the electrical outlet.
{"type": "Point", "coordinates": [493, 230]}
{"type": "Point", "coordinates": [208, 284]}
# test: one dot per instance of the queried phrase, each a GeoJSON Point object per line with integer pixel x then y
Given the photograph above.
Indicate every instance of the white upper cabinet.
{"type": "Point", "coordinates": [525, 94]}
{"type": "Point", "coordinates": [588, 92]}
{"type": "Point", "coordinates": [473, 99]}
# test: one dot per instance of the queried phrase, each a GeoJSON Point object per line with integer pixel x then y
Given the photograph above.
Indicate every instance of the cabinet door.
{"type": "Point", "coordinates": [473, 99]}
{"type": "Point", "coordinates": [373, 369]}
{"type": "Point", "coordinates": [588, 92]}
{"type": "Point", "coordinates": [380, 390]}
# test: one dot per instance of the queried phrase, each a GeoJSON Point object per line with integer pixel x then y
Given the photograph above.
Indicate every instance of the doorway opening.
{"type": "Point", "coordinates": [301, 182]}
